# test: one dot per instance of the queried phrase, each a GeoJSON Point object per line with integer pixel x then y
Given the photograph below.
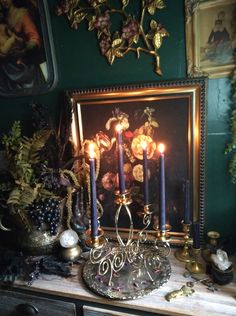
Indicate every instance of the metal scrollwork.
{"type": "Point", "coordinates": [128, 269]}
{"type": "Point", "coordinates": [132, 35]}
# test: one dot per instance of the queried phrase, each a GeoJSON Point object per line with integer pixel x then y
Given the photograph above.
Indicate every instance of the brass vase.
{"type": "Point", "coordinates": [33, 242]}
{"type": "Point", "coordinates": [37, 242]}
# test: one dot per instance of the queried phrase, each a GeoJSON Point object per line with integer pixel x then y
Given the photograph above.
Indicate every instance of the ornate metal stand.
{"type": "Point", "coordinates": [127, 269]}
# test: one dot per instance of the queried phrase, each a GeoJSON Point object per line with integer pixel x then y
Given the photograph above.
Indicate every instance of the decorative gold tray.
{"type": "Point", "coordinates": [138, 276]}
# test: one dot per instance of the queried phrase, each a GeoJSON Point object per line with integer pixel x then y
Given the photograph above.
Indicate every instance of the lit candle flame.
{"type": "Point", "coordinates": [119, 128]}
{"type": "Point", "coordinates": [91, 151]}
{"type": "Point", "coordinates": [144, 144]}
{"type": "Point", "coordinates": [161, 148]}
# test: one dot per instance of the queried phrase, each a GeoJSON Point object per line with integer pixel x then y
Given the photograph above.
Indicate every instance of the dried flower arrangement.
{"type": "Point", "coordinates": [34, 184]}
{"type": "Point", "coordinates": [133, 35]}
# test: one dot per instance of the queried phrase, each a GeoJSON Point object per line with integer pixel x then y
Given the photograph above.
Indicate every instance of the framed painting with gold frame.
{"type": "Point", "coordinates": [178, 116]}
{"type": "Point", "coordinates": [210, 37]}
{"type": "Point", "coordinates": [27, 55]}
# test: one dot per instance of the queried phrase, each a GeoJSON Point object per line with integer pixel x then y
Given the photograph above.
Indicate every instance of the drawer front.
{"type": "Point", "coordinates": [20, 304]}
{"type": "Point", "coordinates": [94, 311]}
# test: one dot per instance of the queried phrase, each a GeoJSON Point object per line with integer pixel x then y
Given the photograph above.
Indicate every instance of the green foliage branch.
{"type": "Point", "coordinates": [231, 147]}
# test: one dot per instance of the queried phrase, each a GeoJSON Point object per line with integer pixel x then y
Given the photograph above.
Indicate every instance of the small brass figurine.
{"type": "Point", "coordinates": [183, 291]}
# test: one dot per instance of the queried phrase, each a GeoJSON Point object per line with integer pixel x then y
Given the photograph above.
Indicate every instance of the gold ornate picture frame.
{"type": "Point", "coordinates": [180, 110]}
{"type": "Point", "coordinates": [210, 37]}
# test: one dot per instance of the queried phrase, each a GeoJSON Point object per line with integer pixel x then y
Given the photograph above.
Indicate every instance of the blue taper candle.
{"type": "Point", "coordinates": [120, 159]}
{"type": "Point", "coordinates": [93, 192]}
{"type": "Point", "coordinates": [187, 202]}
{"type": "Point", "coordinates": [196, 235]}
{"type": "Point", "coordinates": [145, 174]}
{"type": "Point", "coordinates": [162, 191]}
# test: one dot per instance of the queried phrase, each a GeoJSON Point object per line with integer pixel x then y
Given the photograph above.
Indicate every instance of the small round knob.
{"type": "Point", "coordinates": [27, 309]}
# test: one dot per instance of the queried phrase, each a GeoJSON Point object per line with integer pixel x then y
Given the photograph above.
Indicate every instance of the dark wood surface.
{"type": "Point", "coordinates": [14, 304]}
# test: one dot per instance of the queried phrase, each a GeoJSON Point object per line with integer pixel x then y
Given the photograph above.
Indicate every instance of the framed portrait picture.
{"type": "Point", "coordinates": [172, 113]}
{"type": "Point", "coordinates": [210, 37]}
{"type": "Point", "coordinates": [27, 57]}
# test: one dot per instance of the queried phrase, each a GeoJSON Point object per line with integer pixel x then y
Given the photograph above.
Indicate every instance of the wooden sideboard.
{"type": "Point", "coordinates": [54, 295]}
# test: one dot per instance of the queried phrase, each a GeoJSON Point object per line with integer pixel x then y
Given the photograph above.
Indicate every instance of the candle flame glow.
{"type": "Point", "coordinates": [161, 148]}
{"type": "Point", "coordinates": [119, 128]}
{"type": "Point", "coordinates": [73, 132]}
{"type": "Point", "coordinates": [144, 144]}
{"type": "Point", "coordinates": [91, 151]}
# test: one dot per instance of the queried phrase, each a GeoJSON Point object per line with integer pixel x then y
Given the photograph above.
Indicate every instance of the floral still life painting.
{"type": "Point", "coordinates": [139, 125]}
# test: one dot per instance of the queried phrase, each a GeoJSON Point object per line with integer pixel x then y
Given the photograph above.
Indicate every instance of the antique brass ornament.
{"type": "Point", "coordinates": [183, 291]}
{"type": "Point", "coordinates": [131, 36]}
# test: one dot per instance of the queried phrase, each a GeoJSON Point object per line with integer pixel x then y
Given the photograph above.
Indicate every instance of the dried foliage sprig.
{"type": "Point", "coordinates": [22, 155]}
{"type": "Point", "coordinates": [131, 36]}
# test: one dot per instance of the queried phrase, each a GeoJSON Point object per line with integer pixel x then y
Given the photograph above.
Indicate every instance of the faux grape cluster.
{"type": "Point", "coordinates": [51, 181]}
{"type": "Point", "coordinates": [130, 30]}
{"type": "Point", "coordinates": [105, 44]}
{"type": "Point", "coordinates": [102, 21]}
{"type": "Point", "coordinates": [46, 212]}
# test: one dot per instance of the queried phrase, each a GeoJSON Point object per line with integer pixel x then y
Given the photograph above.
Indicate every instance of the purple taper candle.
{"type": "Point", "coordinates": [145, 174]}
{"type": "Point", "coordinates": [196, 235]}
{"type": "Point", "coordinates": [162, 192]}
{"type": "Point", "coordinates": [93, 192]}
{"type": "Point", "coordinates": [120, 159]}
{"type": "Point", "coordinates": [187, 202]}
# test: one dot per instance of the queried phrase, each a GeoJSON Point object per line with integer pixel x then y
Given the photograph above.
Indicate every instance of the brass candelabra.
{"type": "Point", "coordinates": [195, 266]}
{"type": "Point", "coordinates": [183, 254]}
{"type": "Point", "coordinates": [127, 268]}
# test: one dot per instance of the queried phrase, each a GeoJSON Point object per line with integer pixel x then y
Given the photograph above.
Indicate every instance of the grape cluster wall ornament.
{"type": "Point", "coordinates": [131, 37]}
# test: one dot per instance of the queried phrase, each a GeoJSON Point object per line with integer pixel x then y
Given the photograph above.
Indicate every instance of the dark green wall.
{"type": "Point", "coordinates": [80, 65]}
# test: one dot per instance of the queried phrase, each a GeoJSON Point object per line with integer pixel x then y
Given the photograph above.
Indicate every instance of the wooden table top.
{"type": "Point", "coordinates": [202, 302]}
